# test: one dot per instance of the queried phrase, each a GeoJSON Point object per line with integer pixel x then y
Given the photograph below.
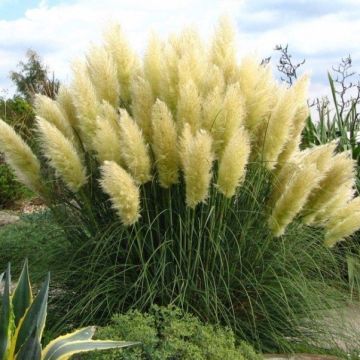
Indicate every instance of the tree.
{"type": "Point", "coordinates": [33, 78]}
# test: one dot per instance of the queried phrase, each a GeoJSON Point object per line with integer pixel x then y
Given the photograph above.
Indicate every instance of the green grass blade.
{"type": "Point", "coordinates": [5, 317]}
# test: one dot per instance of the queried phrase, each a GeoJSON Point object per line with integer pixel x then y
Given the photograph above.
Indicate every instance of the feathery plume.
{"type": "Point", "coordinates": [106, 141]}
{"type": "Point", "coordinates": [232, 167]}
{"type": "Point", "coordinates": [214, 79]}
{"type": "Point", "coordinates": [86, 103]}
{"type": "Point", "coordinates": [20, 157]}
{"type": "Point", "coordinates": [164, 144]}
{"type": "Point", "coordinates": [257, 88]}
{"type": "Point", "coordinates": [153, 64]}
{"type": "Point", "coordinates": [62, 155]}
{"type": "Point", "coordinates": [229, 119]}
{"type": "Point", "coordinates": [197, 160]}
{"type": "Point", "coordinates": [223, 50]}
{"type": "Point", "coordinates": [103, 74]}
{"type": "Point", "coordinates": [135, 152]}
{"type": "Point", "coordinates": [341, 171]}
{"type": "Point", "coordinates": [293, 198]}
{"type": "Point", "coordinates": [127, 64]}
{"type": "Point", "coordinates": [124, 194]}
{"type": "Point", "coordinates": [338, 231]}
{"type": "Point", "coordinates": [49, 110]}
{"type": "Point", "coordinates": [278, 129]}
{"type": "Point", "coordinates": [64, 100]}
{"type": "Point", "coordinates": [189, 106]}
{"type": "Point", "coordinates": [142, 102]}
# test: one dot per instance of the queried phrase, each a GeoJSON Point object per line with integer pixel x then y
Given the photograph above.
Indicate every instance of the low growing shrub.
{"type": "Point", "coordinates": [167, 333]}
{"type": "Point", "coordinates": [179, 179]}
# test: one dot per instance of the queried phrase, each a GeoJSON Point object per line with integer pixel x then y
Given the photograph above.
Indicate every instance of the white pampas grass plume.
{"type": "Point", "coordinates": [127, 63]}
{"type": "Point", "coordinates": [64, 100]}
{"type": "Point", "coordinates": [345, 224]}
{"type": "Point", "coordinates": [154, 64]}
{"type": "Point", "coordinates": [49, 110]}
{"type": "Point", "coordinates": [20, 157]}
{"type": "Point", "coordinates": [212, 107]}
{"type": "Point", "coordinates": [214, 79]}
{"type": "Point", "coordinates": [197, 159]}
{"type": "Point", "coordinates": [103, 74]}
{"type": "Point", "coordinates": [164, 144]}
{"type": "Point", "coordinates": [223, 50]}
{"type": "Point", "coordinates": [229, 119]}
{"type": "Point", "coordinates": [135, 152]}
{"type": "Point", "coordinates": [293, 198]}
{"type": "Point", "coordinates": [142, 102]}
{"type": "Point", "coordinates": [62, 155]}
{"type": "Point", "coordinates": [122, 190]}
{"type": "Point", "coordinates": [277, 129]}
{"type": "Point", "coordinates": [257, 87]}
{"type": "Point", "coordinates": [188, 106]}
{"type": "Point", "coordinates": [232, 166]}
{"type": "Point", "coordinates": [106, 141]}
{"type": "Point", "coordinates": [85, 101]}
{"type": "Point", "coordinates": [341, 171]}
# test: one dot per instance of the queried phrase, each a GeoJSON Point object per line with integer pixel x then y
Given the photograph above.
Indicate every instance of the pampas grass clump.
{"type": "Point", "coordinates": [178, 159]}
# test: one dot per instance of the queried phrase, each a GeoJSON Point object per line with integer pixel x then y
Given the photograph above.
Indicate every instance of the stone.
{"type": "Point", "coordinates": [7, 218]}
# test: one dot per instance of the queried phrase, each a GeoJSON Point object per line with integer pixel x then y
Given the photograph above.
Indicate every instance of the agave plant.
{"type": "Point", "coordinates": [22, 322]}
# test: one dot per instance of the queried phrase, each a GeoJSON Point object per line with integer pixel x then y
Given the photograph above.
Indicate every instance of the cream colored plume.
{"type": "Point", "coordinates": [20, 157]}
{"type": "Point", "coordinates": [344, 224]}
{"type": "Point", "coordinates": [232, 166]}
{"type": "Point", "coordinates": [106, 141]}
{"type": "Point", "coordinates": [212, 109]}
{"type": "Point", "coordinates": [223, 50]}
{"type": "Point", "coordinates": [300, 89]}
{"type": "Point", "coordinates": [142, 102]}
{"type": "Point", "coordinates": [86, 103]}
{"type": "Point", "coordinates": [134, 150]}
{"type": "Point", "coordinates": [257, 87]}
{"type": "Point", "coordinates": [213, 79]}
{"type": "Point", "coordinates": [103, 74]}
{"type": "Point", "coordinates": [127, 63]}
{"type": "Point", "coordinates": [197, 158]}
{"type": "Point", "coordinates": [341, 171]}
{"type": "Point", "coordinates": [293, 199]}
{"type": "Point", "coordinates": [189, 106]}
{"type": "Point", "coordinates": [278, 129]}
{"type": "Point", "coordinates": [51, 112]}
{"type": "Point", "coordinates": [229, 119]}
{"type": "Point", "coordinates": [122, 190]}
{"type": "Point", "coordinates": [154, 64]}
{"type": "Point", "coordinates": [62, 155]}
{"type": "Point", "coordinates": [164, 144]}
{"type": "Point", "coordinates": [64, 100]}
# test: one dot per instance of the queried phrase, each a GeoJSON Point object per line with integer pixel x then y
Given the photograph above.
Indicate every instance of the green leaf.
{"type": "Point", "coordinates": [5, 317]}
{"type": "Point", "coordinates": [75, 347]}
{"type": "Point", "coordinates": [78, 335]}
{"type": "Point", "coordinates": [35, 317]}
{"type": "Point", "coordinates": [31, 349]}
{"type": "Point", "coordinates": [1, 277]}
{"type": "Point", "coordinates": [22, 296]}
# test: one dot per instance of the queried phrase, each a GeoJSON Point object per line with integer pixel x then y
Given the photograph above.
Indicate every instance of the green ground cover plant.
{"type": "Point", "coordinates": [167, 333]}
{"type": "Point", "coordinates": [179, 179]}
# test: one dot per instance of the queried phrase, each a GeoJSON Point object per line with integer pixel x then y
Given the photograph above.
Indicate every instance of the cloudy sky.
{"type": "Point", "coordinates": [321, 31]}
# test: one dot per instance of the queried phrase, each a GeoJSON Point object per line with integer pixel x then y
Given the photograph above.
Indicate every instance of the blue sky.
{"type": "Point", "coordinates": [320, 31]}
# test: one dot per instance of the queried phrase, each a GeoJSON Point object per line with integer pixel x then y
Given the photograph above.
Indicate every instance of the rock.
{"type": "Point", "coordinates": [6, 218]}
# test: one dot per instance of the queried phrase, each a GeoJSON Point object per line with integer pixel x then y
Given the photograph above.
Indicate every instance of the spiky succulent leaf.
{"type": "Point", "coordinates": [31, 348]}
{"type": "Point", "coordinates": [78, 335]}
{"type": "Point", "coordinates": [70, 348]}
{"type": "Point", "coordinates": [6, 317]}
{"type": "Point", "coordinates": [22, 297]}
{"type": "Point", "coordinates": [35, 317]}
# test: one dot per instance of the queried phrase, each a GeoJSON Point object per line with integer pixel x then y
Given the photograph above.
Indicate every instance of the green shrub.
{"type": "Point", "coordinates": [10, 189]}
{"type": "Point", "coordinates": [168, 333]}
